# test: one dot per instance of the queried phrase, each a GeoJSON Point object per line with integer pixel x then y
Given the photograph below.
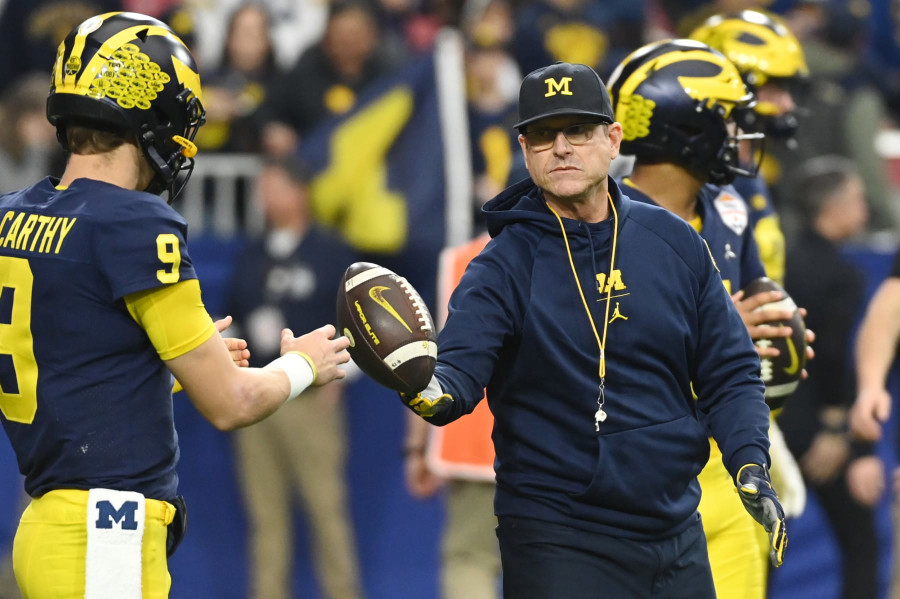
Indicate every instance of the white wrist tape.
{"type": "Point", "coordinates": [300, 371]}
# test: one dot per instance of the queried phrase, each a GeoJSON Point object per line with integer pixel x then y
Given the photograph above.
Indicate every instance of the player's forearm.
{"type": "Point", "coordinates": [877, 339]}
{"type": "Point", "coordinates": [230, 397]}
{"type": "Point", "coordinates": [257, 393]}
{"type": "Point", "coordinates": [238, 399]}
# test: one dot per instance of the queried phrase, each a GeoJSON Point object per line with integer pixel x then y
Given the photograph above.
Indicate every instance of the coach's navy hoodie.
{"type": "Point", "coordinates": [519, 327]}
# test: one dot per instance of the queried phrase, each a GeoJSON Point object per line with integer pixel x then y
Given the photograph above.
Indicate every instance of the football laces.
{"type": "Point", "coordinates": [422, 313]}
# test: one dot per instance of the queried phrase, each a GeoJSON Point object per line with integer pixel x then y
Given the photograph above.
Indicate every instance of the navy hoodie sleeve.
{"type": "Point", "coordinates": [482, 316]}
{"type": "Point", "coordinates": [726, 378]}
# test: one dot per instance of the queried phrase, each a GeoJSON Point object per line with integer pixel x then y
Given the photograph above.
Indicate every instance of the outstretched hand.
{"type": "Point", "coordinates": [240, 354]}
{"type": "Point", "coordinates": [326, 352]}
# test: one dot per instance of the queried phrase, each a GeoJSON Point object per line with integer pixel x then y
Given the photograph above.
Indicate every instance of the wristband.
{"type": "Point", "coordinates": [299, 369]}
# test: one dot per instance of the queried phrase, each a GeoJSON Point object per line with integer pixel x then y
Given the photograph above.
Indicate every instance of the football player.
{"type": "Point", "coordinates": [772, 65]}
{"type": "Point", "coordinates": [101, 306]}
{"type": "Point", "coordinates": [678, 101]}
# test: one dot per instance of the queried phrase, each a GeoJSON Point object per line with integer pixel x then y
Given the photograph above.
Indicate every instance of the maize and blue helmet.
{"type": "Point", "coordinates": [675, 100]}
{"type": "Point", "coordinates": [130, 74]}
{"type": "Point", "coordinates": [765, 51]}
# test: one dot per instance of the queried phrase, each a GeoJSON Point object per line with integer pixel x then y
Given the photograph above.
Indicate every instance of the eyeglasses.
{"type": "Point", "coordinates": [577, 135]}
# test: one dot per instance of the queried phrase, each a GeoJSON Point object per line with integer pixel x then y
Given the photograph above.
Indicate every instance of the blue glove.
{"type": "Point", "coordinates": [428, 402]}
{"type": "Point", "coordinates": [755, 489]}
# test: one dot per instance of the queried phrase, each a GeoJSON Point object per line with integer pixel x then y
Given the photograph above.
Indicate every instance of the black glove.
{"type": "Point", "coordinates": [755, 489]}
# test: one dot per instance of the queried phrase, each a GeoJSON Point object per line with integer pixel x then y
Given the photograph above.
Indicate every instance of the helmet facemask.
{"type": "Point", "coordinates": [173, 159]}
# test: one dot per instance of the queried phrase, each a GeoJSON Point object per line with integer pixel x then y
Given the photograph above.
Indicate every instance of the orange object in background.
{"type": "Point", "coordinates": [463, 448]}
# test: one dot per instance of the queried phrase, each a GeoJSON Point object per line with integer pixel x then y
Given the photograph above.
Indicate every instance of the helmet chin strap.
{"type": "Point", "coordinates": [178, 183]}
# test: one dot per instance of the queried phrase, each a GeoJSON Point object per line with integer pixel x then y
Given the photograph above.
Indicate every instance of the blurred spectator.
{"type": "Point", "coordinates": [843, 109]}
{"type": "Point", "coordinates": [489, 23]}
{"type": "Point", "coordinates": [685, 15]}
{"type": "Point", "coordinates": [233, 92]}
{"type": "Point", "coordinates": [28, 146]}
{"type": "Point", "coordinates": [884, 51]}
{"type": "Point", "coordinates": [492, 113]}
{"type": "Point", "coordinates": [598, 34]}
{"type": "Point", "coordinates": [182, 22]}
{"type": "Point", "coordinates": [295, 26]}
{"type": "Point", "coordinates": [328, 77]}
{"type": "Point", "coordinates": [846, 477]}
{"type": "Point", "coordinates": [154, 8]}
{"type": "Point", "coordinates": [30, 31]}
{"type": "Point", "coordinates": [876, 350]}
{"type": "Point", "coordinates": [288, 279]}
{"type": "Point", "coordinates": [410, 25]}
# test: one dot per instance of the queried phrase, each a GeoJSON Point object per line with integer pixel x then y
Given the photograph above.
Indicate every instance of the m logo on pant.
{"type": "Point", "coordinates": [115, 537]}
{"type": "Point", "coordinates": [124, 516]}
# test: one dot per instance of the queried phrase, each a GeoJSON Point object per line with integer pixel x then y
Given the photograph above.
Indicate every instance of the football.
{"type": "Point", "coordinates": [781, 374]}
{"type": "Point", "coordinates": [391, 333]}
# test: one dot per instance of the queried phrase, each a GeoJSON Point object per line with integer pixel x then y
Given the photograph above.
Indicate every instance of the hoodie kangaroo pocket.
{"type": "Point", "coordinates": [647, 470]}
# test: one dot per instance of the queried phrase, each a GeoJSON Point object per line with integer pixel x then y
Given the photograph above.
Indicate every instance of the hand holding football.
{"type": "Point", "coordinates": [781, 374]}
{"type": "Point", "coordinates": [392, 336]}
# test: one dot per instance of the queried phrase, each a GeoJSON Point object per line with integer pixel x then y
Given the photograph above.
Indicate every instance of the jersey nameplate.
{"type": "Point", "coordinates": [34, 233]}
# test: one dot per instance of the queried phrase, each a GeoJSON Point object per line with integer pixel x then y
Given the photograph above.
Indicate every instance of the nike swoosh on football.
{"type": "Point", "coordinates": [794, 366]}
{"type": "Point", "coordinates": [376, 294]}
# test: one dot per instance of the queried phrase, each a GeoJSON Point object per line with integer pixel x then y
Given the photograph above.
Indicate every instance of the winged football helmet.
{"type": "Point", "coordinates": [764, 50]}
{"type": "Point", "coordinates": [675, 100]}
{"type": "Point", "coordinates": [130, 73]}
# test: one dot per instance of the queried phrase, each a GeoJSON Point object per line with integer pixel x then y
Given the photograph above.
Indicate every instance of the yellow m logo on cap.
{"type": "Point", "coordinates": [562, 86]}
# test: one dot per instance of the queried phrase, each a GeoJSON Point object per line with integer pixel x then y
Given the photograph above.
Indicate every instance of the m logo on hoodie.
{"type": "Point", "coordinates": [615, 282]}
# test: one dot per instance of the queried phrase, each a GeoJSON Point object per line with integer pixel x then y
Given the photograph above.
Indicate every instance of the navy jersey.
{"type": "Point", "coordinates": [727, 231]}
{"type": "Point", "coordinates": [86, 400]}
{"type": "Point", "coordinates": [756, 194]}
{"type": "Point", "coordinates": [765, 224]}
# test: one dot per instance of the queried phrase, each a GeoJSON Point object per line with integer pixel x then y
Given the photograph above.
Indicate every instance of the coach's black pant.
{"type": "Point", "coordinates": [544, 560]}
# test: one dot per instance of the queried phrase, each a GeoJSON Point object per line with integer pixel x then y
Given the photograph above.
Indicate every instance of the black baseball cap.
{"type": "Point", "coordinates": [563, 88]}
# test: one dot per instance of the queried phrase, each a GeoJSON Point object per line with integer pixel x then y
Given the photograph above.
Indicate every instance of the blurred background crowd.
{"type": "Point", "coordinates": [389, 123]}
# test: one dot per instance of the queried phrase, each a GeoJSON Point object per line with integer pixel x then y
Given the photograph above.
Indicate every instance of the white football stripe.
{"type": "Point", "coordinates": [785, 303]}
{"type": "Point", "coordinates": [416, 349]}
{"type": "Point", "coordinates": [782, 389]}
{"type": "Point", "coordinates": [366, 275]}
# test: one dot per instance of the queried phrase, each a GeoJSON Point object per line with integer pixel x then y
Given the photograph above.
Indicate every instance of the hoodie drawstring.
{"type": "Point", "coordinates": [600, 415]}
